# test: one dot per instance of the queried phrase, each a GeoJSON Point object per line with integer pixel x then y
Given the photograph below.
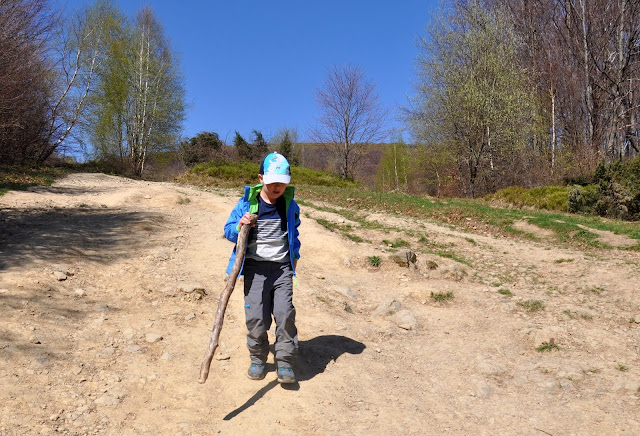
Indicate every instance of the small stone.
{"type": "Point", "coordinates": [169, 291]}
{"type": "Point", "coordinates": [108, 351]}
{"type": "Point", "coordinates": [133, 349]}
{"type": "Point", "coordinates": [222, 356]}
{"type": "Point", "coordinates": [59, 275]}
{"type": "Point", "coordinates": [483, 389]}
{"type": "Point", "coordinates": [405, 319]}
{"type": "Point", "coordinates": [403, 258]}
{"type": "Point", "coordinates": [102, 308]}
{"type": "Point", "coordinates": [54, 417]}
{"type": "Point", "coordinates": [152, 338]}
{"type": "Point", "coordinates": [192, 287]}
{"type": "Point", "coordinates": [347, 292]}
{"type": "Point", "coordinates": [190, 316]}
{"type": "Point", "coordinates": [165, 356]}
{"type": "Point", "coordinates": [80, 292]}
{"type": "Point", "coordinates": [490, 368]}
{"type": "Point", "coordinates": [387, 307]}
{"type": "Point", "coordinates": [107, 400]}
{"type": "Point", "coordinates": [454, 272]}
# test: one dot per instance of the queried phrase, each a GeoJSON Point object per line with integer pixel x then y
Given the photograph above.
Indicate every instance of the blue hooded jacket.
{"type": "Point", "coordinates": [249, 203]}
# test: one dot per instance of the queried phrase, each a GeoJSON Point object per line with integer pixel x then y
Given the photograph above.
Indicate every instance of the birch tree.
{"type": "Point", "coordinates": [155, 103]}
{"type": "Point", "coordinates": [472, 95]}
{"type": "Point", "coordinates": [351, 116]}
{"type": "Point", "coordinates": [392, 174]}
{"type": "Point", "coordinates": [107, 107]}
{"type": "Point", "coordinates": [82, 46]}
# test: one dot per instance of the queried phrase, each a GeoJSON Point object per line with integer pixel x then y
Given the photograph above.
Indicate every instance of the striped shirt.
{"type": "Point", "coordinates": [269, 239]}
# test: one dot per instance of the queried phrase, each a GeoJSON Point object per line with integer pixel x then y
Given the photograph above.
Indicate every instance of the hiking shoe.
{"type": "Point", "coordinates": [256, 371]}
{"type": "Point", "coordinates": [286, 375]}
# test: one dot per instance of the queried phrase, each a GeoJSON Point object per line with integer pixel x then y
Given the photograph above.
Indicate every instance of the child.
{"type": "Point", "coordinates": [269, 266]}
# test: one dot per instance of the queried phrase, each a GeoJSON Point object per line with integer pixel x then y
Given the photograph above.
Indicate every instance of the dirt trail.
{"type": "Point", "coordinates": [103, 325]}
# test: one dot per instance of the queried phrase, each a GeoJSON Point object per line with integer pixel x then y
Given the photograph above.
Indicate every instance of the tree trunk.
{"type": "Point", "coordinates": [553, 128]}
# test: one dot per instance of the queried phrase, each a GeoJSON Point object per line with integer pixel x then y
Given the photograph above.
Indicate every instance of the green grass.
{"type": "Point", "coordinates": [13, 178]}
{"type": "Point", "coordinates": [440, 297]}
{"type": "Point", "coordinates": [374, 261]}
{"type": "Point", "coordinates": [563, 260]}
{"type": "Point", "coordinates": [532, 305]}
{"type": "Point", "coordinates": [623, 368]}
{"type": "Point", "coordinates": [597, 290]}
{"type": "Point", "coordinates": [398, 243]}
{"type": "Point", "coordinates": [467, 214]}
{"type": "Point", "coordinates": [547, 197]}
{"type": "Point", "coordinates": [354, 238]}
{"type": "Point", "coordinates": [547, 347]}
{"type": "Point", "coordinates": [506, 292]}
{"type": "Point", "coordinates": [327, 224]}
{"type": "Point", "coordinates": [450, 255]}
{"type": "Point", "coordinates": [432, 265]}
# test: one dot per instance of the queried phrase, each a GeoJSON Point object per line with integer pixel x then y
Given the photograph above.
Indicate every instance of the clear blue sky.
{"type": "Point", "coordinates": [256, 64]}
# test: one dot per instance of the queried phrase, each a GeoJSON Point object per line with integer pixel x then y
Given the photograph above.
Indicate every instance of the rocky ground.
{"type": "Point", "coordinates": [109, 286]}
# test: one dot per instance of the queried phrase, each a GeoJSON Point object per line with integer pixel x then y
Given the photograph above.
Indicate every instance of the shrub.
{"type": "Point", "coordinates": [374, 261]}
{"type": "Point", "coordinates": [607, 199]}
{"type": "Point", "coordinates": [441, 296]}
{"type": "Point", "coordinates": [583, 199]}
{"type": "Point", "coordinates": [545, 197]}
{"type": "Point", "coordinates": [245, 172]}
{"type": "Point", "coordinates": [532, 305]}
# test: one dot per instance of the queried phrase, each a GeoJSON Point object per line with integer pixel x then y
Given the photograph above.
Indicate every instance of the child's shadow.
{"type": "Point", "coordinates": [316, 353]}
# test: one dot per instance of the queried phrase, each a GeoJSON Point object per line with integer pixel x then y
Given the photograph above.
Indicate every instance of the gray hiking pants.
{"type": "Point", "coordinates": [268, 289]}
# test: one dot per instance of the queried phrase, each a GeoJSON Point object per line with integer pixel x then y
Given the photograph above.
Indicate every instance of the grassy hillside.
{"type": "Point", "coordinates": [225, 174]}
{"type": "Point", "coordinates": [14, 178]}
{"type": "Point", "coordinates": [473, 215]}
{"type": "Point", "coordinates": [542, 207]}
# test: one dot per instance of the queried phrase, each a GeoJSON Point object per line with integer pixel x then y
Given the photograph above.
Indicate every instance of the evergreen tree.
{"type": "Point", "coordinates": [245, 151]}
{"type": "Point", "coordinates": [260, 146]}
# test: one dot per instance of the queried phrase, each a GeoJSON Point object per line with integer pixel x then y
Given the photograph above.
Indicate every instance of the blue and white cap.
{"type": "Point", "coordinates": [275, 169]}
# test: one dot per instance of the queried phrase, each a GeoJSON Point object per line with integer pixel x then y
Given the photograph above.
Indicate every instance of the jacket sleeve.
{"type": "Point", "coordinates": [296, 240]}
{"type": "Point", "coordinates": [231, 227]}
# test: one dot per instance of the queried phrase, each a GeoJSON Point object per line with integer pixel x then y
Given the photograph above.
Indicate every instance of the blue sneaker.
{"type": "Point", "coordinates": [286, 375]}
{"type": "Point", "coordinates": [256, 371]}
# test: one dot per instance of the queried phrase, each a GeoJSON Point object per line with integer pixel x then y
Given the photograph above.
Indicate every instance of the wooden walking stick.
{"type": "Point", "coordinates": [241, 245]}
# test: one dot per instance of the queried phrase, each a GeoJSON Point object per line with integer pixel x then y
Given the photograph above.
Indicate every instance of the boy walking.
{"type": "Point", "coordinates": [269, 266]}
